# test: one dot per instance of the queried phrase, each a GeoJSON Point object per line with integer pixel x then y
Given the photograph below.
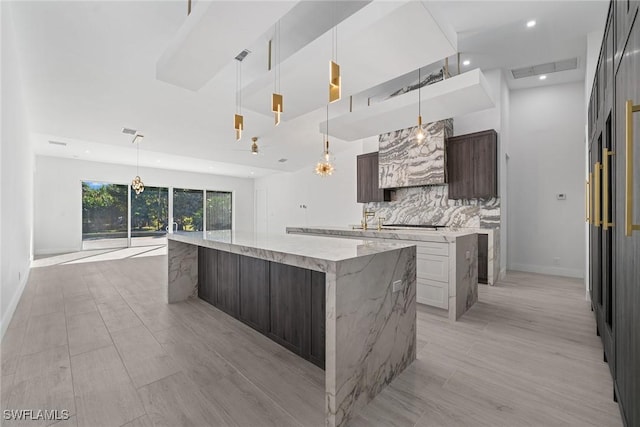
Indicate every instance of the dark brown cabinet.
{"type": "Point", "coordinates": [207, 274]}
{"type": "Point", "coordinates": [291, 307]}
{"type": "Point", "coordinates": [483, 254]}
{"type": "Point", "coordinates": [368, 186]}
{"type": "Point", "coordinates": [227, 286]}
{"type": "Point", "coordinates": [283, 302]}
{"type": "Point", "coordinates": [614, 251]}
{"type": "Point", "coordinates": [472, 165]}
{"type": "Point", "coordinates": [254, 293]}
{"type": "Point", "coordinates": [626, 263]}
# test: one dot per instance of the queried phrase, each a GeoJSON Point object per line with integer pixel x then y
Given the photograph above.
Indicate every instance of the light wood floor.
{"type": "Point", "coordinates": [97, 339]}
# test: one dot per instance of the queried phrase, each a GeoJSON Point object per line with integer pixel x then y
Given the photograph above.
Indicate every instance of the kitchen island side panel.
{"type": "Point", "coordinates": [371, 330]}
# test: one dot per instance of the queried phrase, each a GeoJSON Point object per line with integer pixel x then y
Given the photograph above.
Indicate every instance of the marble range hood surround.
{"type": "Point", "coordinates": [405, 163]}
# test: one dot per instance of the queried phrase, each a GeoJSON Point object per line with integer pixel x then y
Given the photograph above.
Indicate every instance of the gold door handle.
{"type": "Point", "coordinates": [629, 225]}
{"type": "Point", "coordinates": [587, 204]}
{"type": "Point", "coordinates": [590, 183]}
{"type": "Point", "coordinates": [605, 188]}
{"type": "Point", "coordinates": [597, 168]}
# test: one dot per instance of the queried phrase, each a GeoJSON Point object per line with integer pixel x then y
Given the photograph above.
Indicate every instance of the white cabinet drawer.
{"type": "Point", "coordinates": [432, 248]}
{"type": "Point", "coordinates": [435, 294]}
{"type": "Point", "coordinates": [433, 267]}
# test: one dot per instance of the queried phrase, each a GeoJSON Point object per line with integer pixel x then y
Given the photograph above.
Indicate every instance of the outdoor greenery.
{"type": "Point", "coordinates": [104, 210]}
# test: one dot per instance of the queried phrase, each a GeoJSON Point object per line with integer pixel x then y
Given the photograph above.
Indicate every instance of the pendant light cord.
{"type": "Point", "coordinates": [138, 158]}
{"type": "Point", "coordinates": [419, 89]}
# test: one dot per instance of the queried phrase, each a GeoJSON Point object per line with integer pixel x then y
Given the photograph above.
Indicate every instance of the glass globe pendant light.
{"type": "Point", "coordinates": [325, 167]}
{"type": "Point", "coordinates": [137, 185]}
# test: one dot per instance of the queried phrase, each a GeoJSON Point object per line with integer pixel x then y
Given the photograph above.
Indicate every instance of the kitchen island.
{"type": "Point", "coordinates": [363, 292]}
{"type": "Point", "coordinates": [446, 265]}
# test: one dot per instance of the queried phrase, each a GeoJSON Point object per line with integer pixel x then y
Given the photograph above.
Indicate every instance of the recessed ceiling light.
{"type": "Point", "coordinates": [210, 167]}
{"type": "Point", "coordinates": [531, 24]}
{"type": "Point", "coordinates": [543, 77]}
{"type": "Point", "coordinates": [158, 161]}
{"type": "Point", "coordinates": [466, 62]}
{"type": "Point", "coordinates": [58, 143]}
{"type": "Point", "coordinates": [87, 151]}
{"type": "Point", "coordinates": [251, 172]}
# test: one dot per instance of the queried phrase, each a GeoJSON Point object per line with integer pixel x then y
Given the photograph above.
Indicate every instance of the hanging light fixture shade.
{"type": "Point", "coordinates": [238, 124]}
{"type": "Point", "coordinates": [238, 119]}
{"type": "Point", "coordinates": [137, 185]}
{"type": "Point", "coordinates": [254, 146]}
{"type": "Point", "coordinates": [276, 106]}
{"type": "Point", "coordinates": [335, 90]}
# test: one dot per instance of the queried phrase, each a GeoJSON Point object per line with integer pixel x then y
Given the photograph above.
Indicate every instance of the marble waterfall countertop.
{"type": "Point", "coordinates": [416, 234]}
{"type": "Point", "coordinates": [370, 303]}
{"type": "Point", "coordinates": [302, 251]}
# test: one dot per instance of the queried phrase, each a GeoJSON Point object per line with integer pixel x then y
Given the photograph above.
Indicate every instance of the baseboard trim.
{"type": "Point", "coordinates": [552, 271]}
{"type": "Point", "coordinates": [11, 309]}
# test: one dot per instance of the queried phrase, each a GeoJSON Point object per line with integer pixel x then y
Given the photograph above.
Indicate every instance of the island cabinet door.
{"type": "Point", "coordinates": [227, 289]}
{"type": "Point", "coordinates": [291, 308]}
{"type": "Point", "coordinates": [207, 274]}
{"type": "Point", "coordinates": [254, 293]}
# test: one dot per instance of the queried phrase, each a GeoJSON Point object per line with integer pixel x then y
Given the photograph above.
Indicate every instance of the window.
{"type": "Point", "coordinates": [218, 210]}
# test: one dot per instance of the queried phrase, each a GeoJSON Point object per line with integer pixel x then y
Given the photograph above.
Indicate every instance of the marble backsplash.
{"type": "Point", "coordinates": [431, 205]}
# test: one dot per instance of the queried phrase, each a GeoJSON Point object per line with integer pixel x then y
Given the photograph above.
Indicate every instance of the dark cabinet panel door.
{"type": "Point", "coordinates": [227, 291]}
{"type": "Point", "coordinates": [625, 12]}
{"type": "Point", "coordinates": [472, 165]}
{"type": "Point", "coordinates": [291, 307]}
{"type": "Point", "coordinates": [207, 274]}
{"type": "Point", "coordinates": [483, 258]}
{"type": "Point", "coordinates": [367, 180]}
{"type": "Point", "coordinates": [485, 176]}
{"type": "Point", "coordinates": [318, 317]}
{"type": "Point", "coordinates": [254, 293]}
{"type": "Point", "coordinates": [627, 251]}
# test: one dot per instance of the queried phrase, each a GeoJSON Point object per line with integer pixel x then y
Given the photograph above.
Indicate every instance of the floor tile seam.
{"type": "Point", "coordinates": [133, 384]}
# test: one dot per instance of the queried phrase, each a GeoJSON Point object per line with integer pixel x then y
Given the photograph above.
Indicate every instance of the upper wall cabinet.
{"type": "Point", "coordinates": [472, 165]}
{"type": "Point", "coordinates": [406, 161]}
{"type": "Point", "coordinates": [625, 11]}
{"type": "Point", "coordinates": [368, 189]}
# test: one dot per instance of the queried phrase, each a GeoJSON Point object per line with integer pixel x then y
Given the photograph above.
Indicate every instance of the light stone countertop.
{"type": "Point", "coordinates": [311, 252]}
{"type": "Point", "coordinates": [421, 235]}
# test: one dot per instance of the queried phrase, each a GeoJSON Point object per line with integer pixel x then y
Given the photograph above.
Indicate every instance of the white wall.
{"type": "Point", "coordinates": [16, 180]}
{"type": "Point", "coordinates": [58, 196]}
{"type": "Point", "coordinates": [546, 149]}
{"type": "Point", "coordinates": [328, 200]}
{"type": "Point", "coordinates": [496, 118]}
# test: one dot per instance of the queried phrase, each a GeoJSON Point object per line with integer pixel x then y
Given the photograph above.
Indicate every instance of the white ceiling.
{"type": "Point", "coordinates": [89, 69]}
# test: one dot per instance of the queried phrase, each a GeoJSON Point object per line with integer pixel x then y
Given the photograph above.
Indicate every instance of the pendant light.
{"type": "Point", "coordinates": [137, 185]}
{"type": "Point", "coordinates": [254, 146]}
{"type": "Point", "coordinates": [335, 89]}
{"type": "Point", "coordinates": [419, 134]}
{"type": "Point", "coordinates": [238, 119]}
{"type": "Point", "coordinates": [276, 98]}
{"type": "Point", "coordinates": [324, 167]}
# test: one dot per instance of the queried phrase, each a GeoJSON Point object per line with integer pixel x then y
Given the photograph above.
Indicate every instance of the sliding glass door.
{"type": "Point", "coordinates": [149, 216]}
{"type": "Point", "coordinates": [104, 215]}
{"type": "Point", "coordinates": [187, 209]}
{"type": "Point", "coordinates": [218, 212]}
{"type": "Point", "coordinates": [113, 216]}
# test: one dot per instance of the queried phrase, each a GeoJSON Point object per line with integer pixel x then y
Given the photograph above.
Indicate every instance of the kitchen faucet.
{"type": "Point", "coordinates": [365, 215]}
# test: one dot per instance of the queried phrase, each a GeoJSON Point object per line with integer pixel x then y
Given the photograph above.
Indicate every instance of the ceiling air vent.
{"type": "Point", "coordinates": [129, 131]}
{"type": "Point", "coordinates": [283, 160]}
{"type": "Point", "coordinates": [549, 67]}
{"type": "Point", "coordinates": [61, 144]}
{"type": "Point", "coordinates": [242, 55]}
